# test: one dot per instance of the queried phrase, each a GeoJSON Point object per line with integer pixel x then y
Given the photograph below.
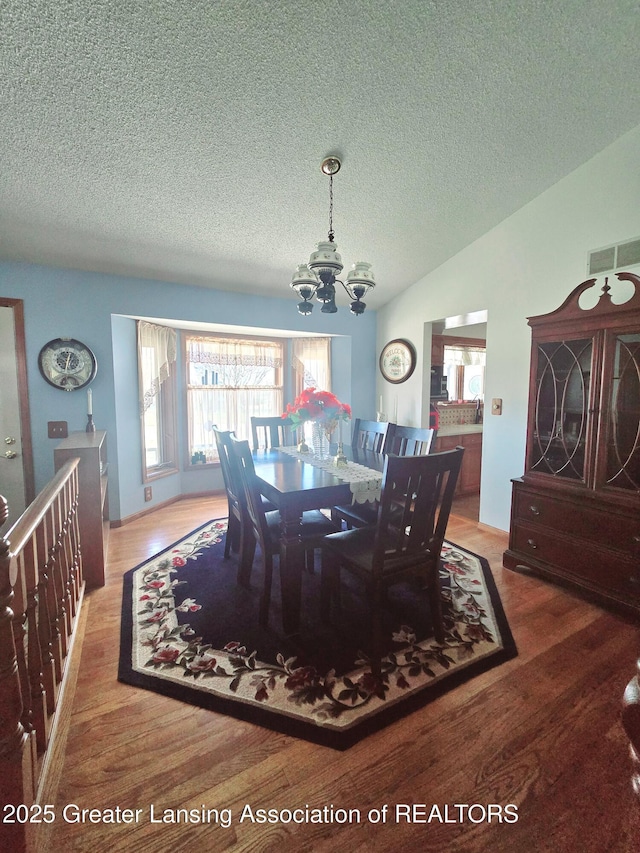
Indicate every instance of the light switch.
{"type": "Point", "coordinates": [496, 406]}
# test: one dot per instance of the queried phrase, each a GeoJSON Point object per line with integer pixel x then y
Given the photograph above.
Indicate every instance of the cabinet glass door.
{"type": "Point", "coordinates": [623, 447]}
{"type": "Point", "coordinates": [561, 408]}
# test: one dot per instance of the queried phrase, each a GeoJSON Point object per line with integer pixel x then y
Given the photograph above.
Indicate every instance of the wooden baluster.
{"type": "Point", "coordinates": [20, 639]}
{"type": "Point", "coordinates": [53, 598]}
{"type": "Point", "coordinates": [59, 579]}
{"type": "Point", "coordinates": [65, 499]}
{"type": "Point", "coordinates": [37, 704]}
{"type": "Point", "coordinates": [62, 571]}
{"type": "Point", "coordinates": [73, 563]}
{"type": "Point", "coordinates": [44, 620]}
{"type": "Point", "coordinates": [75, 529]}
{"type": "Point", "coordinates": [17, 780]}
{"type": "Point", "coordinates": [73, 582]}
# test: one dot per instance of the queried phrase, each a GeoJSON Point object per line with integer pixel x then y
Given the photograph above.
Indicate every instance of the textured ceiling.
{"type": "Point", "coordinates": [182, 140]}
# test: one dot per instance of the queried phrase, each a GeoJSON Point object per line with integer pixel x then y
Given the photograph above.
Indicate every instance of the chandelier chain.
{"type": "Point", "coordinates": [331, 208]}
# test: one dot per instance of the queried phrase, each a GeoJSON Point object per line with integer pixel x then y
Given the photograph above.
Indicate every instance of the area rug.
{"type": "Point", "coordinates": [191, 632]}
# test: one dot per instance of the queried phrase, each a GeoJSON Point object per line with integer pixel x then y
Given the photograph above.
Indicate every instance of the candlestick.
{"type": "Point", "coordinates": [395, 411]}
{"type": "Point", "coordinates": [89, 402]}
{"type": "Point", "coordinates": [380, 406]}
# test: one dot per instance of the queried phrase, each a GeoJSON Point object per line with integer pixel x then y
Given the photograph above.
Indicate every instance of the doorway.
{"type": "Point", "coordinates": [458, 353]}
{"type": "Point", "coordinates": [16, 454]}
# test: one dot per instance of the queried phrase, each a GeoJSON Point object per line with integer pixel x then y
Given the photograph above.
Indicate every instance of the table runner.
{"type": "Point", "coordinates": [365, 483]}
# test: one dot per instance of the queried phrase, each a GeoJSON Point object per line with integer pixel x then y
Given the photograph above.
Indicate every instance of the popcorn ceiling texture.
{"type": "Point", "coordinates": [182, 140]}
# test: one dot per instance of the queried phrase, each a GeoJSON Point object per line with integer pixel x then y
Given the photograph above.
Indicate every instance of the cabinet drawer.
{"type": "Point", "coordinates": [600, 526]}
{"type": "Point", "coordinates": [570, 558]}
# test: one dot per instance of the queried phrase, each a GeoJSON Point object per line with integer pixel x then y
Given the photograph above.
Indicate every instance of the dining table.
{"type": "Point", "coordinates": [295, 482]}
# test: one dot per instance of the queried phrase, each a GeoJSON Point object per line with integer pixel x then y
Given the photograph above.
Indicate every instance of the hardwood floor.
{"type": "Point", "coordinates": [468, 506]}
{"type": "Point", "coordinates": [541, 732]}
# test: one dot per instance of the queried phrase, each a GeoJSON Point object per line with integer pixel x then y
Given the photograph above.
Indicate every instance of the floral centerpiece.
{"type": "Point", "coordinates": [322, 408]}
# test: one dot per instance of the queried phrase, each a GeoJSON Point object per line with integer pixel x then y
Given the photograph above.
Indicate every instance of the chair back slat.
{"type": "Point", "coordinates": [371, 435]}
{"type": "Point", "coordinates": [410, 441]}
{"type": "Point", "coordinates": [269, 432]}
{"type": "Point", "coordinates": [417, 493]}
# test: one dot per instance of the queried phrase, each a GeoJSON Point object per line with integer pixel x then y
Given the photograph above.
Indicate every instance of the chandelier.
{"type": "Point", "coordinates": [318, 276]}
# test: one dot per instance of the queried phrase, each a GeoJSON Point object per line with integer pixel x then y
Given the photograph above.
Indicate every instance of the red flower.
{"type": "Point", "coordinates": [155, 584]}
{"type": "Point", "coordinates": [158, 617]}
{"type": "Point", "coordinates": [304, 676]}
{"type": "Point", "coordinates": [313, 405]}
{"type": "Point", "coordinates": [167, 655]}
{"type": "Point", "coordinates": [261, 694]}
{"type": "Point", "coordinates": [178, 561]}
{"type": "Point", "coordinates": [371, 684]}
{"type": "Point", "coordinates": [204, 663]}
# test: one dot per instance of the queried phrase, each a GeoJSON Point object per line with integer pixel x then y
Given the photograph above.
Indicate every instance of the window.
{"type": "Point", "coordinates": [311, 364]}
{"type": "Point", "coordinates": [157, 381]}
{"type": "Point", "coordinates": [228, 381]}
{"type": "Point", "coordinates": [464, 367]}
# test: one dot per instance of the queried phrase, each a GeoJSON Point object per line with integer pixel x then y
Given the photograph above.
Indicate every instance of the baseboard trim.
{"type": "Point", "coordinates": [120, 522]}
{"type": "Point", "coordinates": [489, 529]}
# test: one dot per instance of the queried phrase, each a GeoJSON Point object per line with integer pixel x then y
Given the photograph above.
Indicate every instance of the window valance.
{"type": "Point", "coordinates": [220, 352]}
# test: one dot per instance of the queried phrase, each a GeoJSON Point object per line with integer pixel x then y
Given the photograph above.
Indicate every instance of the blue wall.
{"type": "Point", "coordinates": [87, 306]}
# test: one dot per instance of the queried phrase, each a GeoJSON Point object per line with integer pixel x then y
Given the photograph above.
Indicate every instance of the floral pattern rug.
{"type": "Point", "coordinates": [173, 600]}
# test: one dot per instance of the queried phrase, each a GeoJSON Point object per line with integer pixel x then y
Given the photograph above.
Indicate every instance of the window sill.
{"type": "Point", "coordinates": [157, 473]}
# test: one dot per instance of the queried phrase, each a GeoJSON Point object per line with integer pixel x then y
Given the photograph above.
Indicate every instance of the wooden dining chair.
{"type": "Point", "coordinates": [269, 432]}
{"type": "Point", "coordinates": [405, 542]}
{"type": "Point", "coordinates": [236, 536]}
{"type": "Point", "coordinates": [371, 435]}
{"type": "Point", "coordinates": [401, 441]}
{"type": "Point", "coordinates": [264, 527]}
{"type": "Point", "coordinates": [235, 498]}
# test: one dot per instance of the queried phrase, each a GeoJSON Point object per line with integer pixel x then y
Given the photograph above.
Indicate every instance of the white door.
{"type": "Point", "coordinates": [13, 465]}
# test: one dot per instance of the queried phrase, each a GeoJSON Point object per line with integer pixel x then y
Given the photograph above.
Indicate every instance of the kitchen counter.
{"type": "Point", "coordinates": [459, 429]}
{"type": "Point", "coordinates": [468, 436]}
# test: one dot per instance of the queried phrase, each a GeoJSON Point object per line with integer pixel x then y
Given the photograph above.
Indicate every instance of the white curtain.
{"type": "Point", "coordinates": [156, 353]}
{"type": "Point", "coordinates": [465, 355]}
{"type": "Point", "coordinates": [230, 379]}
{"type": "Point", "coordinates": [311, 362]}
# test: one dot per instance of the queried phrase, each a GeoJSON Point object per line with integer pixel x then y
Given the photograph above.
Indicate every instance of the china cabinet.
{"type": "Point", "coordinates": [575, 514]}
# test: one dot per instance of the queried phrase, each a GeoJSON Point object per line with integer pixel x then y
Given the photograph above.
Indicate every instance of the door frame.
{"type": "Point", "coordinates": [17, 305]}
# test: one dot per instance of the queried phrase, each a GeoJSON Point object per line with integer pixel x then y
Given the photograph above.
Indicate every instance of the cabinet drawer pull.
{"type": "Point", "coordinates": [634, 580]}
{"type": "Point", "coordinates": [531, 543]}
{"type": "Point", "coordinates": [534, 509]}
{"type": "Point", "coordinates": [636, 539]}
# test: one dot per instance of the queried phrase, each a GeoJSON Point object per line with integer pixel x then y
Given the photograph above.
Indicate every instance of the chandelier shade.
{"type": "Point", "coordinates": [318, 277]}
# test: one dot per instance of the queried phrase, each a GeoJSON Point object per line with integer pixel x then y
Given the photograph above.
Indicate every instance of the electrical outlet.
{"type": "Point", "coordinates": [496, 406]}
{"type": "Point", "coordinates": [57, 429]}
{"type": "Point", "coordinates": [148, 494]}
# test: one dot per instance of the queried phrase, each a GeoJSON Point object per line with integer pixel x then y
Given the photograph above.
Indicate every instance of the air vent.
{"type": "Point", "coordinates": [614, 257]}
{"type": "Point", "coordinates": [628, 254]}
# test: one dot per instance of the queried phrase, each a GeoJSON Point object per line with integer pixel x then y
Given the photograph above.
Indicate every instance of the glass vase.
{"type": "Point", "coordinates": [320, 440]}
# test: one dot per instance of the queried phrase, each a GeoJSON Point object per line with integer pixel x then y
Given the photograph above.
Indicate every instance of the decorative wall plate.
{"type": "Point", "coordinates": [397, 360]}
{"type": "Point", "coordinates": [67, 364]}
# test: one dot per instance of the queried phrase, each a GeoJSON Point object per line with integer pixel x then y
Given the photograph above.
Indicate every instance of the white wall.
{"type": "Point", "coordinates": [525, 266]}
